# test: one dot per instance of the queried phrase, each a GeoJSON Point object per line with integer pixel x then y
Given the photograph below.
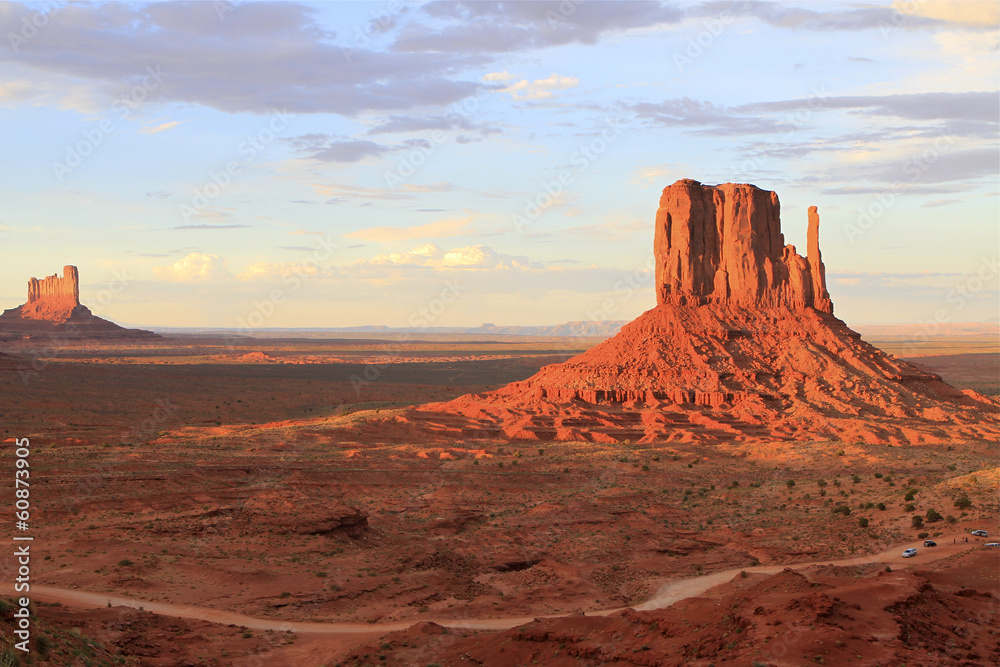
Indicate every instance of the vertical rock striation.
{"type": "Point", "coordinates": [742, 344]}
{"type": "Point", "coordinates": [54, 306]}
{"type": "Point", "coordinates": [53, 298]}
{"type": "Point", "coordinates": [723, 244]}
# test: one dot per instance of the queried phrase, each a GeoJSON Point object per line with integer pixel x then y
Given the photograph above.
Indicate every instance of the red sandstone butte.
{"type": "Point", "coordinates": [742, 344]}
{"type": "Point", "coordinates": [54, 306]}
{"type": "Point", "coordinates": [53, 298]}
{"type": "Point", "coordinates": [723, 244]}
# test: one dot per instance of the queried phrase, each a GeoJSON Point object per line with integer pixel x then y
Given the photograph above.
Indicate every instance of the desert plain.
{"type": "Point", "coordinates": [239, 501]}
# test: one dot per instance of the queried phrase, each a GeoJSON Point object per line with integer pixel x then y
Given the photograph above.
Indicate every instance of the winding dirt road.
{"type": "Point", "coordinates": [669, 593]}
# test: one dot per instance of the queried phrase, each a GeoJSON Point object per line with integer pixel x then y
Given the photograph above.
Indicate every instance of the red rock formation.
{"type": "Point", "coordinates": [54, 306]}
{"type": "Point", "coordinates": [743, 343]}
{"type": "Point", "coordinates": [53, 298]}
{"type": "Point", "coordinates": [723, 244]}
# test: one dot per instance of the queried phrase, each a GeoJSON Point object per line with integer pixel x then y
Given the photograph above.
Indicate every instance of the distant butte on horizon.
{"type": "Point", "coordinates": [53, 307]}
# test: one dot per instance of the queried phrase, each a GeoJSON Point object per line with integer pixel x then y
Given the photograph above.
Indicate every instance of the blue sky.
{"type": "Point", "coordinates": [341, 164]}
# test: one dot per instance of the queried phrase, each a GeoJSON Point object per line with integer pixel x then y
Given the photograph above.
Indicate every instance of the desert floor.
{"type": "Point", "coordinates": [211, 483]}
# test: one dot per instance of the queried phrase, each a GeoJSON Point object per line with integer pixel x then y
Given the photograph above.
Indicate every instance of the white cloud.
{"type": "Point", "coordinates": [973, 13]}
{"type": "Point", "coordinates": [468, 257]}
{"type": "Point", "coordinates": [657, 174]}
{"type": "Point", "coordinates": [493, 77]}
{"type": "Point", "coordinates": [540, 89]}
{"type": "Point", "coordinates": [155, 129]}
{"type": "Point", "coordinates": [269, 270]}
{"type": "Point", "coordinates": [194, 266]}
{"type": "Point", "coordinates": [432, 230]}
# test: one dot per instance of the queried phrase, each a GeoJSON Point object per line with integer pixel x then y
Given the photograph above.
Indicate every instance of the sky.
{"type": "Point", "coordinates": [244, 164]}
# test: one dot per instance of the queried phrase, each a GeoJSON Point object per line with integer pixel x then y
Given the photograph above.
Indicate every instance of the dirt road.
{"type": "Point", "coordinates": [669, 593]}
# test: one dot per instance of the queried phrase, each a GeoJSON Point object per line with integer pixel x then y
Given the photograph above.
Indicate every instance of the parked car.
{"type": "Point", "coordinates": [995, 545]}
{"type": "Point", "coordinates": [909, 553]}
{"type": "Point", "coordinates": [930, 543]}
{"type": "Point", "coordinates": [980, 533]}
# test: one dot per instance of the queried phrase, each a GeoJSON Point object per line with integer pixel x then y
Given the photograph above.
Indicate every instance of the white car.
{"type": "Point", "coordinates": [980, 533]}
{"type": "Point", "coordinates": [995, 545]}
{"type": "Point", "coordinates": [909, 553]}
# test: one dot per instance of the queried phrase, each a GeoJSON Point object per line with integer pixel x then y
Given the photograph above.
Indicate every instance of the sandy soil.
{"type": "Point", "coordinates": [228, 487]}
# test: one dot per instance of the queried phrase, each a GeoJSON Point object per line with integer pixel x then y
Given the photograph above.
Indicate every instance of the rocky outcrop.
{"type": "Point", "coordinates": [53, 298]}
{"type": "Point", "coordinates": [723, 244]}
{"type": "Point", "coordinates": [54, 307]}
{"type": "Point", "coordinates": [742, 344]}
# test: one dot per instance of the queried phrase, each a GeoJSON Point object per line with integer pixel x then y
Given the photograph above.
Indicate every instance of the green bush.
{"type": "Point", "coordinates": [963, 502]}
{"type": "Point", "coordinates": [863, 522]}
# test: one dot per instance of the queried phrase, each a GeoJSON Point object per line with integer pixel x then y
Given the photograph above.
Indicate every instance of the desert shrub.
{"type": "Point", "coordinates": [933, 515]}
{"type": "Point", "coordinates": [790, 484]}
{"type": "Point", "coordinates": [909, 496]}
{"type": "Point", "coordinates": [645, 468]}
{"type": "Point", "coordinates": [124, 562]}
{"type": "Point", "coordinates": [821, 483]}
{"type": "Point", "coordinates": [44, 645]}
{"type": "Point", "coordinates": [917, 521]}
{"type": "Point", "coordinates": [963, 502]}
{"type": "Point", "coordinates": [878, 475]}
{"type": "Point", "coordinates": [881, 506]}
{"type": "Point", "coordinates": [863, 522]}
{"type": "Point", "coordinates": [952, 467]}
{"type": "Point", "coordinates": [855, 478]}
{"type": "Point", "coordinates": [951, 519]}
{"type": "Point", "coordinates": [923, 536]}
{"type": "Point", "coordinates": [909, 507]}
{"type": "Point", "coordinates": [842, 509]}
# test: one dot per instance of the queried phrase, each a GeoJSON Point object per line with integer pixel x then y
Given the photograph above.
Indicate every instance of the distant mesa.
{"type": "Point", "coordinates": [54, 306]}
{"type": "Point", "coordinates": [742, 344]}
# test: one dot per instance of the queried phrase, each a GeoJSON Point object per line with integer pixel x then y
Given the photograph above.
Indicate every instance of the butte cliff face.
{"type": "Point", "coordinates": [723, 244]}
{"type": "Point", "coordinates": [742, 344]}
{"type": "Point", "coordinates": [53, 298]}
{"type": "Point", "coordinates": [53, 306]}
